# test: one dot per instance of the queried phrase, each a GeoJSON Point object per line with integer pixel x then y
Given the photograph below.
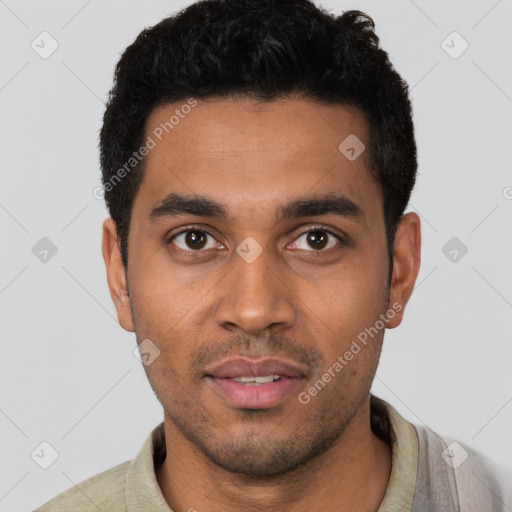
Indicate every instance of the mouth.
{"type": "Point", "coordinates": [248, 384]}
{"type": "Point", "coordinates": [258, 381]}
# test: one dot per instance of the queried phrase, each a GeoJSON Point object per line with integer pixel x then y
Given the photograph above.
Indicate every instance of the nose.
{"type": "Point", "coordinates": [254, 296]}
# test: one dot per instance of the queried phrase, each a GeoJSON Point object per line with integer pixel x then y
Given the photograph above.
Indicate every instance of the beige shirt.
{"type": "Point", "coordinates": [420, 479]}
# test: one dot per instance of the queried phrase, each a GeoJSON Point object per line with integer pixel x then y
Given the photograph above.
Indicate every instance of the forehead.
{"type": "Point", "coordinates": [294, 124]}
{"type": "Point", "coordinates": [249, 151]}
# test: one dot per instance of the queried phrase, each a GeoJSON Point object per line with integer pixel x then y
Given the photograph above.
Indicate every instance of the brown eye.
{"type": "Point", "coordinates": [193, 239]}
{"type": "Point", "coordinates": [316, 239]}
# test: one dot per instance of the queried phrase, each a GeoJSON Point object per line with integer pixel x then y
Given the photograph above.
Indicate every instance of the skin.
{"type": "Point", "coordinates": [294, 302]}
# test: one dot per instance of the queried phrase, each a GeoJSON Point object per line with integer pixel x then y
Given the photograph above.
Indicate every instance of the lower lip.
{"type": "Point", "coordinates": [256, 396]}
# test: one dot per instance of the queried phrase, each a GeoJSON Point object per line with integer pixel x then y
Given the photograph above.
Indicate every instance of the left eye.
{"type": "Point", "coordinates": [317, 239]}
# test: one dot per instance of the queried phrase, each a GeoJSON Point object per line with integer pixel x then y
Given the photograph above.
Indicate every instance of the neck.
{"type": "Point", "coordinates": [352, 475]}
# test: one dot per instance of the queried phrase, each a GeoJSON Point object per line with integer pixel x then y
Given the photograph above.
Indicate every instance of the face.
{"type": "Point", "coordinates": [258, 249]}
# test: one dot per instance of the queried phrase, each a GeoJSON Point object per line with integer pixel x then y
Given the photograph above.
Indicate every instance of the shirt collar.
{"type": "Point", "coordinates": [404, 465]}
{"type": "Point", "coordinates": [142, 489]}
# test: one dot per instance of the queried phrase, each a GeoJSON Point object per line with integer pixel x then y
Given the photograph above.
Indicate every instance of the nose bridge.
{"type": "Point", "coordinates": [254, 296]}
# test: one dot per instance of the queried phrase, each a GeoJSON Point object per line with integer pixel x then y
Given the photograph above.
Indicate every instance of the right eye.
{"type": "Point", "coordinates": [193, 240]}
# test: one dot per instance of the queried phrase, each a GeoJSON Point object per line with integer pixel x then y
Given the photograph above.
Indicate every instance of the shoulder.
{"type": "Point", "coordinates": [104, 491]}
{"type": "Point", "coordinates": [455, 475]}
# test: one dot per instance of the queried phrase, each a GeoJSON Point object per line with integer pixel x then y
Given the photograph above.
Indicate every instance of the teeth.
{"type": "Point", "coordinates": [257, 380]}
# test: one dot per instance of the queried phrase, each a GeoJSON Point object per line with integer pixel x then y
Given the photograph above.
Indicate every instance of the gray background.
{"type": "Point", "coordinates": [68, 373]}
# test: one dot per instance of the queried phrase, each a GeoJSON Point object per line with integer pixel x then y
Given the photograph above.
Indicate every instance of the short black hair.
{"type": "Point", "coordinates": [265, 50]}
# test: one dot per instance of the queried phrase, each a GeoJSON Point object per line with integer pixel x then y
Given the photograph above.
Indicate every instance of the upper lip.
{"type": "Point", "coordinates": [243, 367]}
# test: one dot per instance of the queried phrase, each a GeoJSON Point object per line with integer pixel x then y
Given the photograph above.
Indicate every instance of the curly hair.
{"type": "Point", "coordinates": [264, 50]}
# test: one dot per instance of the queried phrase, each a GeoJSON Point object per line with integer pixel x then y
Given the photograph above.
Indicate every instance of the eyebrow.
{"type": "Point", "coordinates": [175, 204]}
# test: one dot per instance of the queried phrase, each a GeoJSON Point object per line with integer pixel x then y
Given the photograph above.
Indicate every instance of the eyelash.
{"type": "Point", "coordinates": [199, 252]}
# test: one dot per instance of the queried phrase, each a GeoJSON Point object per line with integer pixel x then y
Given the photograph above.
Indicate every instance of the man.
{"type": "Point", "coordinates": [257, 158]}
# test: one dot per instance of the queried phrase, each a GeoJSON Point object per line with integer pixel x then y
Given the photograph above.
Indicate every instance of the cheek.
{"type": "Point", "coordinates": [354, 292]}
{"type": "Point", "coordinates": [350, 304]}
{"type": "Point", "coordinates": [158, 289]}
{"type": "Point", "coordinates": [162, 313]}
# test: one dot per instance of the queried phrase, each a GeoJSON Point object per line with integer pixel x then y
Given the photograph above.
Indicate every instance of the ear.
{"type": "Point", "coordinates": [406, 264]}
{"type": "Point", "coordinates": [116, 276]}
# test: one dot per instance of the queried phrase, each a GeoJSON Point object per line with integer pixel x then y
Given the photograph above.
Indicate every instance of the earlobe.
{"type": "Point", "coordinates": [116, 276]}
{"type": "Point", "coordinates": [406, 264]}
